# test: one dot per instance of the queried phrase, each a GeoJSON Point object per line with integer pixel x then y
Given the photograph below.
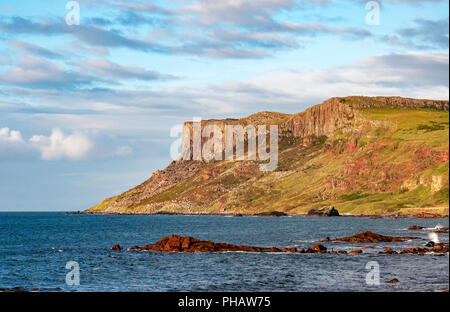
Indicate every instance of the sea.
{"type": "Point", "coordinates": [58, 252]}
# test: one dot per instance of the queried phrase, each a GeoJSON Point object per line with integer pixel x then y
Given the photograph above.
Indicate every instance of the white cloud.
{"type": "Point", "coordinates": [12, 146]}
{"type": "Point", "coordinates": [60, 146]}
{"type": "Point", "coordinates": [151, 112]}
{"type": "Point", "coordinates": [8, 135]}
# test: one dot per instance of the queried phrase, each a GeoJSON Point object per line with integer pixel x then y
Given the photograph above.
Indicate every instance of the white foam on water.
{"type": "Point", "coordinates": [434, 237]}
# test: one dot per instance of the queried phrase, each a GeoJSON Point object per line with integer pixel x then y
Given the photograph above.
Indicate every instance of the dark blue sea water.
{"type": "Point", "coordinates": [35, 247]}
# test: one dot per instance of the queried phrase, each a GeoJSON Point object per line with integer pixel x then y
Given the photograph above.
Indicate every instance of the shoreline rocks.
{"type": "Point", "coordinates": [437, 229]}
{"type": "Point", "coordinates": [177, 244]}
{"type": "Point", "coordinates": [436, 248]}
{"type": "Point", "coordinates": [323, 212]}
{"type": "Point", "coordinates": [271, 214]}
{"type": "Point", "coordinates": [240, 214]}
{"type": "Point", "coordinates": [367, 237]}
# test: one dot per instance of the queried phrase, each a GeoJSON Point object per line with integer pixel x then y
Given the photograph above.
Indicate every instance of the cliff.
{"type": "Point", "coordinates": [363, 155]}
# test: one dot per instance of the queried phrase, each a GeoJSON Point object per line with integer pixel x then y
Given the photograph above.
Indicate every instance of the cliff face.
{"type": "Point", "coordinates": [343, 114]}
{"type": "Point", "coordinates": [335, 114]}
{"type": "Point", "coordinates": [360, 154]}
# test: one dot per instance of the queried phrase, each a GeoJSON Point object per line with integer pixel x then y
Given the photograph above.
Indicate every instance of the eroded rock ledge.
{"type": "Point", "coordinates": [438, 248]}
{"type": "Point", "coordinates": [368, 237]}
{"type": "Point", "coordinates": [176, 243]}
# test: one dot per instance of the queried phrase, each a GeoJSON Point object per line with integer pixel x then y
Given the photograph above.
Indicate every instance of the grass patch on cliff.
{"type": "Point", "coordinates": [414, 126]}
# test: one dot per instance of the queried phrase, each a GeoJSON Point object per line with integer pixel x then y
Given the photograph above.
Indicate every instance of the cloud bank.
{"type": "Point", "coordinates": [56, 146]}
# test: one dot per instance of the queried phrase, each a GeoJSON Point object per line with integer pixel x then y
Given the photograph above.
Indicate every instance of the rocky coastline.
{"type": "Point", "coordinates": [187, 244]}
{"type": "Point", "coordinates": [325, 212]}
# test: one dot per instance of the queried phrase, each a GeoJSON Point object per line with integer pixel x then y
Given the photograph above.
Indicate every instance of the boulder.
{"type": "Point", "coordinates": [116, 247]}
{"type": "Point", "coordinates": [319, 248]}
{"type": "Point", "coordinates": [333, 212]}
{"type": "Point", "coordinates": [389, 251]}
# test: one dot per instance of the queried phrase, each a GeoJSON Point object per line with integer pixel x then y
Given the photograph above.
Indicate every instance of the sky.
{"type": "Point", "coordinates": [90, 90]}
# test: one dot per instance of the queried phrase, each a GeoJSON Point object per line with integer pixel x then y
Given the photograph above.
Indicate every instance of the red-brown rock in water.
{"type": "Point", "coordinates": [319, 249]}
{"type": "Point", "coordinates": [339, 252]}
{"type": "Point", "coordinates": [369, 237]}
{"type": "Point", "coordinates": [439, 248]}
{"type": "Point", "coordinates": [116, 247]}
{"type": "Point", "coordinates": [293, 249]}
{"type": "Point", "coordinates": [176, 243]}
{"type": "Point", "coordinates": [355, 252]}
{"type": "Point", "coordinates": [389, 251]}
{"type": "Point", "coordinates": [427, 215]}
{"type": "Point", "coordinates": [415, 227]}
{"type": "Point", "coordinates": [394, 280]}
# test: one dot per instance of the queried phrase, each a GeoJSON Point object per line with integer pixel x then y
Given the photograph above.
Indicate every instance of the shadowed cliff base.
{"type": "Point", "coordinates": [373, 156]}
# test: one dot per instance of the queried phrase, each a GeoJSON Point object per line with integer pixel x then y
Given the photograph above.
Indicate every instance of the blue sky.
{"type": "Point", "coordinates": [86, 110]}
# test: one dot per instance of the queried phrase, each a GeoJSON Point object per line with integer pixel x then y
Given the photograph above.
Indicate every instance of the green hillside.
{"type": "Point", "coordinates": [397, 161]}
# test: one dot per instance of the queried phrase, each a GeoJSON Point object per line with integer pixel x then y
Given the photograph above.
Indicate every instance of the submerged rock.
{"type": "Point", "coordinates": [389, 251]}
{"type": "Point", "coordinates": [436, 248]}
{"type": "Point", "coordinates": [415, 227]}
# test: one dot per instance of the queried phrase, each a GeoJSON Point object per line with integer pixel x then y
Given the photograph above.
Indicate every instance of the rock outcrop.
{"type": "Point", "coordinates": [116, 247]}
{"type": "Point", "coordinates": [435, 248]}
{"type": "Point", "coordinates": [368, 237]}
{"type": "Point", "coordinates": [177, 243]}
{"type": "Point", "coordinates": [324, 212]}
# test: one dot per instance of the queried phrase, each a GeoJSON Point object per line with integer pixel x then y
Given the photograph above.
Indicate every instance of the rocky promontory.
{"type": "Point", "coordinates": [366, 156]}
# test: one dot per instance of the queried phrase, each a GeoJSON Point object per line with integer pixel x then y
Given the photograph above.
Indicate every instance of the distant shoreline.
{"type": "Point", "coordinates": [269, 214]}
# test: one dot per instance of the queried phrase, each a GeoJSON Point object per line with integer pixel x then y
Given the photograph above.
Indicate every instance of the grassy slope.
{"type": "Point", "coordinates": [388, 154]}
